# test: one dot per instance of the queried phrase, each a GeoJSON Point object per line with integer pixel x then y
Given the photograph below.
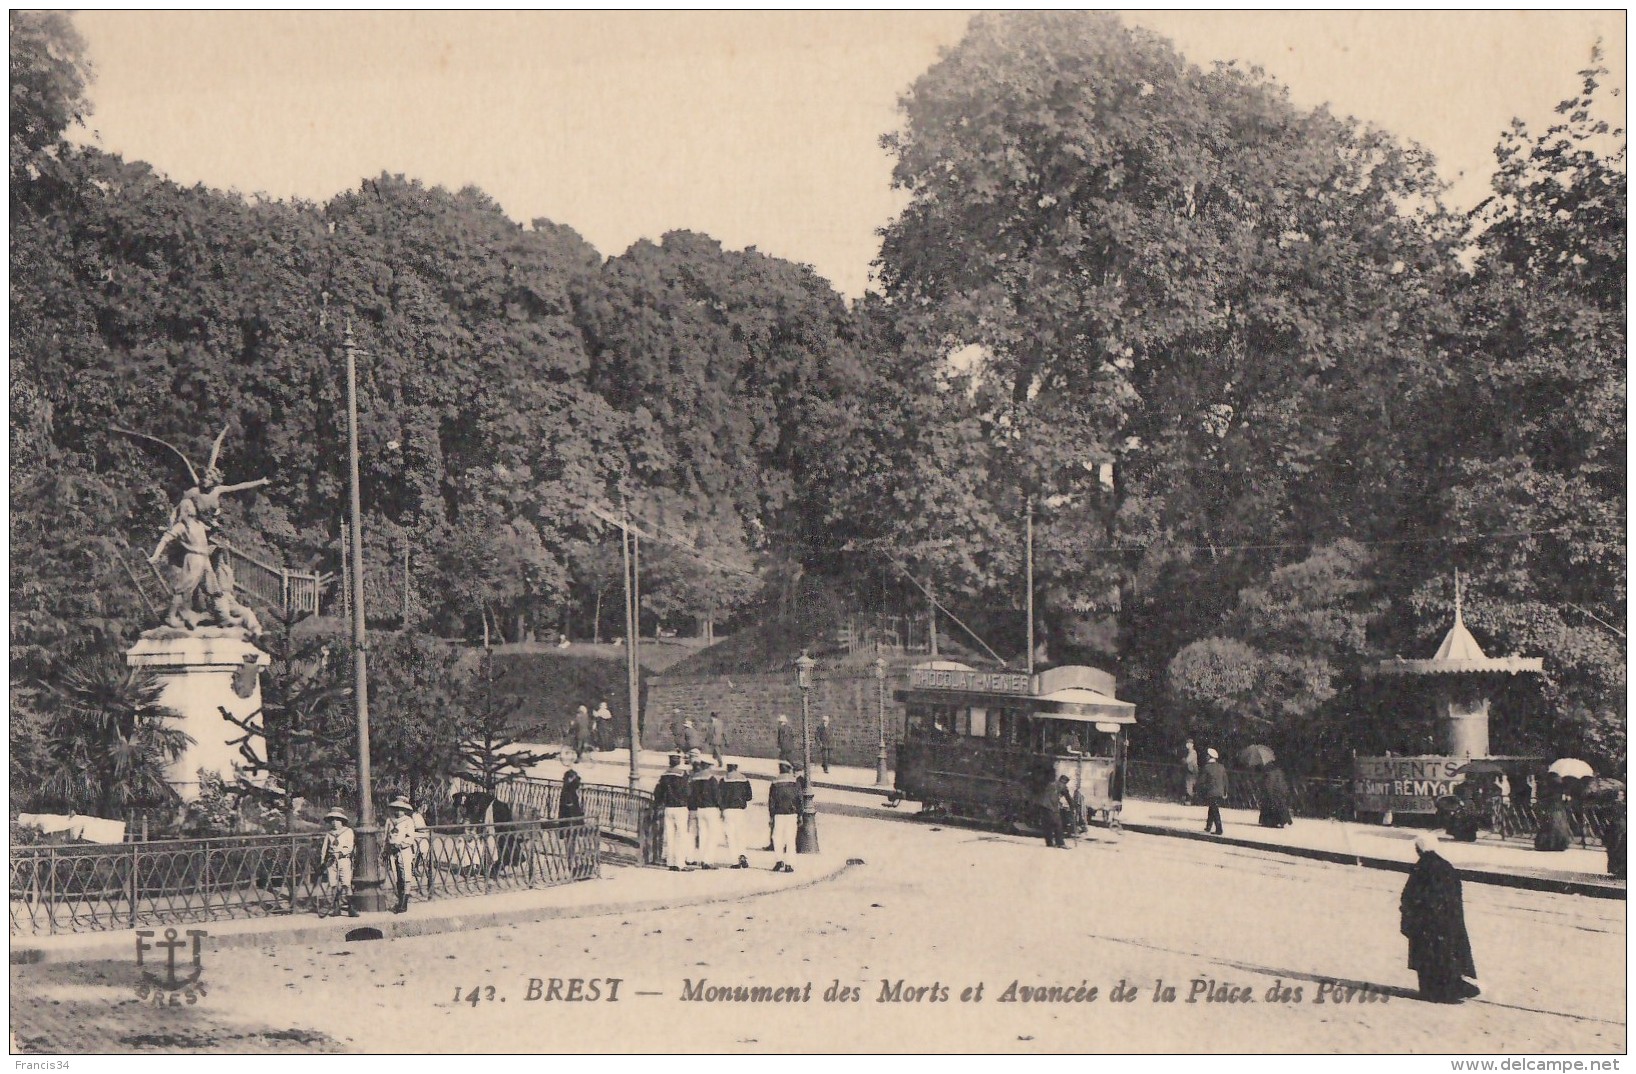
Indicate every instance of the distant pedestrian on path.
{"type": "Point", "coordinates": [1190, 772]}
{"type": "Point", "coordinates": [1434, 920]}
{"type": "Point", "coordinates": [569, 806]}
{"type": "Point", "coordinates": [579, 731]}
{"type": "Point", "coordinates": [1274, 798]}
{"type": "Point", "coordinates": [670, 798]}
{"type": "Point", "coordinates": [1554, 832]}
{"type": "Point", "coordinates": [718, 739]}
{"type": "Point", "coordinates": [604, 726]}
{"type": "Point", "coordinates": [823, 742]}
{"type": "Point", "coordinates": [786, 740]}
{"type": "Point", "coordinates": [691, 742]}
{"type": "Point", "coordinates": [783, 806]}
{"type": "Point", "coordinates": [1213, 787]}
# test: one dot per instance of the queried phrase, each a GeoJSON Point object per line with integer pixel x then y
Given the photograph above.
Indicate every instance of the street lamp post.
{"type": "Point", "coordinates": [880, 691]}
{"type": "Point", "coordinates": [806, 833]}
{"type": "Point", "coordinates": [367, 883]}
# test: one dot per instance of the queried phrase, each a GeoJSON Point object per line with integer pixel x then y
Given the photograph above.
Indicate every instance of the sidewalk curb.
{"type": "Point", "coordinates": [117, 945]}
{"type": "Point", "coordinates": [1478, 876]}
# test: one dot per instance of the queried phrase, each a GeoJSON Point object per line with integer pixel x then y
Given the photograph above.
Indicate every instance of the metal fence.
{"type": "Point", "coordinates": [64, 888]}
{"type": "Point", "coordinates": [617, 811]}
{"type": "Point", "coordinates": [1326, 798]}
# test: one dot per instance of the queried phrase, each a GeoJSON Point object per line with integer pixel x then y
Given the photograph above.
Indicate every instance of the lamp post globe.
{"type": "Point", "coordinates": [880, 693]}
{"type": "Point", "coordinates": [806, 832]}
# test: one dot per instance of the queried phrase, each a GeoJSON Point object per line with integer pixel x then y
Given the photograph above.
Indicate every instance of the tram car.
{"type": "Point", "coordinates": [982, 744]}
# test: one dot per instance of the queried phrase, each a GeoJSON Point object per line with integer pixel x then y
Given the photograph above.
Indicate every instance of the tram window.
{"type": "Point", "coordinates": [979, 723]}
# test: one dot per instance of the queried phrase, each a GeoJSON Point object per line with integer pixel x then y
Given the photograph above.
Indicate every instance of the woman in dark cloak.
{"type": "Point", "coordinates": [1434, 920]}
{"type": "Point", "coordinates": [570, 806]}
{"type": "Point", "coordinates": [1554, 832]}
{"type": "Point", "coordinates": [1274, 798]}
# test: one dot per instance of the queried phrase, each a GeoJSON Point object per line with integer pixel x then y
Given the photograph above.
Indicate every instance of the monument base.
{"type": "Point", "coordinates": [202, 672]}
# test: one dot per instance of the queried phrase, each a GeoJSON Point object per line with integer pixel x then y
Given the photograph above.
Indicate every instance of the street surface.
{"type": "Point", "coordinates": [938, 908]}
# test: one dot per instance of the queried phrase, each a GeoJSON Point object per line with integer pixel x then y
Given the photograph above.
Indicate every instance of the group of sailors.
{"type": "Point", "coordinates": [706, 812]}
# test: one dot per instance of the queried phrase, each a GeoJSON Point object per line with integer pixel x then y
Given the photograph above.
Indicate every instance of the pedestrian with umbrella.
{"type": "Point", "coordinates": [1275, 811]}
{"type": "Point", "coordinates": [1554, 832]}
{"type": "Point", "coordinates": [1433, 917]}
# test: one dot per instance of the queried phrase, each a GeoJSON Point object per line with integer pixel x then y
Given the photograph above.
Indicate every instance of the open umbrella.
{"type": "Point", "coordinates": [1601, 786]}
{"type": "Point", "coordinates": [1481, 768]}
{"type": "Point", "coordinates": [1255, 756]}
{"type": "Point", "coordinates": [1571, 768]}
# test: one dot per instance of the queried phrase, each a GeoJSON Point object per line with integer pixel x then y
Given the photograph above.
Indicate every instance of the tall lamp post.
{"type": "Point", "coordinates": [880, 693]}
{"type": "Point", "coordinates": [806, 833]}
{"type": "Point", "coordinates": [367, 888]}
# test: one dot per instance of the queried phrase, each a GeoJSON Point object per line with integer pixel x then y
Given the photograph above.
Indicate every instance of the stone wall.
{"type": "Point", "coordinates": [749, 705]}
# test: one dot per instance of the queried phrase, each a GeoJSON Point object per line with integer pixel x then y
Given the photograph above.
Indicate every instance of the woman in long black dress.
{"type": "Point", "coordinates": [570, 806]}
{"type": "Point", "coordinates": [1554, 832]}
{"type": "Point", "coordinates": [1275, 798]}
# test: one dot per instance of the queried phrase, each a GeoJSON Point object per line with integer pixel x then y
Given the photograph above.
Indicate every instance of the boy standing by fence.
{"type": "Point", "coordinates": [339, 843]}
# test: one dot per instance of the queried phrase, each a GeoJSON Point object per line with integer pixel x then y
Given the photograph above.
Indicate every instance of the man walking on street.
{"type": "Point", "coordinates": [1051, 802]}
{"type": "Point", "coordinates": [823, 741]}
{"type": "Point", "coordinates": [670, 796]}
{"type": "Point", "coordinates": [1190, 772]}
{"type": "Point", "coordinates": [786, 740]}
{"type": "Point", "coordinates": [691, 742]}
{"type": "Point", "coordinates": [735, 800]}
{"type": "Point", "coordinates": [718, 739]}
{"type": "Point", "coordinates": [580, 731]}
{"type": "Point", "coordinates": [783, 805]}
{"type": "Point", "coordinates": [1213, 786]}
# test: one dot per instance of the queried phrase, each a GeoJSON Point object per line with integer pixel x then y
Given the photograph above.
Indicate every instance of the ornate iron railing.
{"type": "Point", "coordinates": [60, 888]}
{"type": "Point", "coordinates": [617, 811]}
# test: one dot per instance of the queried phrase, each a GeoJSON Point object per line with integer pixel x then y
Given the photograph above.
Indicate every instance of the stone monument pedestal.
{"type": "Point", "coordinates": [204, 671]}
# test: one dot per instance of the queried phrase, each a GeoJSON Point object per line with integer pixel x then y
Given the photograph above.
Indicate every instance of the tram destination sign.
{"type": "Point", "coordinates": [977, 682]}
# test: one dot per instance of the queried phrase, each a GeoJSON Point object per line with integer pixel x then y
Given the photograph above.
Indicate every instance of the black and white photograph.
{"type": "Point", "coordinates": [643, 532]}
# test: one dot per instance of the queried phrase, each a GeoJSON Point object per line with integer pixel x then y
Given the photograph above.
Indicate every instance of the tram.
{"type": "Point", "coordinates": [981, 744]}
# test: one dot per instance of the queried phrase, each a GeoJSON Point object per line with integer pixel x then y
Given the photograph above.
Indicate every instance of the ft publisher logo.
{"type": "Point", "coordinates": [167, 989]}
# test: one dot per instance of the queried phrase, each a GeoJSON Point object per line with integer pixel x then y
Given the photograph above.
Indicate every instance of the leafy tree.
{"type": "Point", "coordinates": [49, 78]}
{"type": "Point", "coordinates": [492, 754]}
{"type": "Point", "coordinates": [1538, 455]}
{"type": "Point", "coordinates": [420, 713]}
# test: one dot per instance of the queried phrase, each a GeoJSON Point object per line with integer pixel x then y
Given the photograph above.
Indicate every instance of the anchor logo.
{"type": "Point", "coordinates": [169, 982]}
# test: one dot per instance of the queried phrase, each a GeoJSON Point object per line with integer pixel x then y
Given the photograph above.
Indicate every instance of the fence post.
{"type": "Point", "coordinates": [289, 872]}
{"type": "Point", "coordinates": [134, 886]}
{"type": "Point", "coordinates": [51, 891]}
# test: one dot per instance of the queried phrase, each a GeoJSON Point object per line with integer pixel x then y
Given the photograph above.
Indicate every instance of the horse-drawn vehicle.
{"type": "Point", "coordinates": [983, 744]}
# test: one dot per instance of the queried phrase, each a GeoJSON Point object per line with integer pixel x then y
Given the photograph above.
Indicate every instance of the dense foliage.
{"type": "Point", "coordinates": [1260, 391]}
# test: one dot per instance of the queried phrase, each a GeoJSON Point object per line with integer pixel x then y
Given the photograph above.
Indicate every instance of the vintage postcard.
{"type": "Point", "coordinates": [646, 532]}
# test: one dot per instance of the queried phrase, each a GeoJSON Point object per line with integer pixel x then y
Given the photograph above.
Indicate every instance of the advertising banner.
{"type": "Point", "coordinates": [1402, 784]}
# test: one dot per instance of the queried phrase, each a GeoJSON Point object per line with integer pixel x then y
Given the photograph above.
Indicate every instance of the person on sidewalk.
{"type": "Point", "coordinates": [1433, 917]}
{"type": "Point", "coordinates": [670, 798]}
{"type": "Point", "coordinates": [1190, 772]}
{"type": "Point", "coordinates": [786, 740]}
{"type": "Point", "coordinates": [735, 802]}
{"type": "Point", "coordinates": [1275, 811]}
{"type": "Point", "coordinates": [704, 803]}
{"type": "Point", "coordinates": [339, 843]}
{"type": "Point", "coordinates": [783, 806]}
{"type": "Point", "coordinates": [569, 805]}
{"type": "Point", "coordinates": [1213, 788]}
{"type": "Point", "coordinates": [580, 731]}
{"type": "Point", "coordinates": [1051, 802]}
{"type": "Point", "coordinates": [1554, 832]}
{"type": "Point", "coordinates": [692, 742]}
{"type": "Point", "coordinates": [823, 739]}
{"type": "Point", "coordinates": [604, 726]}
{"type": "Point", "coordinates": [399, 849]}
{"type": "Point", "coordinates": [718, 739]}
{"type": "Point", "coordinates": [1613, 833]}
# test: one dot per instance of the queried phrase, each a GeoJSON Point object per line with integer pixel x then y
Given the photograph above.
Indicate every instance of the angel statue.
{"type": "Point", "coordinates": [189, 545]}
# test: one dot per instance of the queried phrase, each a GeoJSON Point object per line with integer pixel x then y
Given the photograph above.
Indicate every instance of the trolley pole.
{"type": "Point", "coordinates": [1028, 570]}
{"type": "Point", "coordinates": [367, 893]}
{"type": "Point", "coordinates": [806, 833]}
